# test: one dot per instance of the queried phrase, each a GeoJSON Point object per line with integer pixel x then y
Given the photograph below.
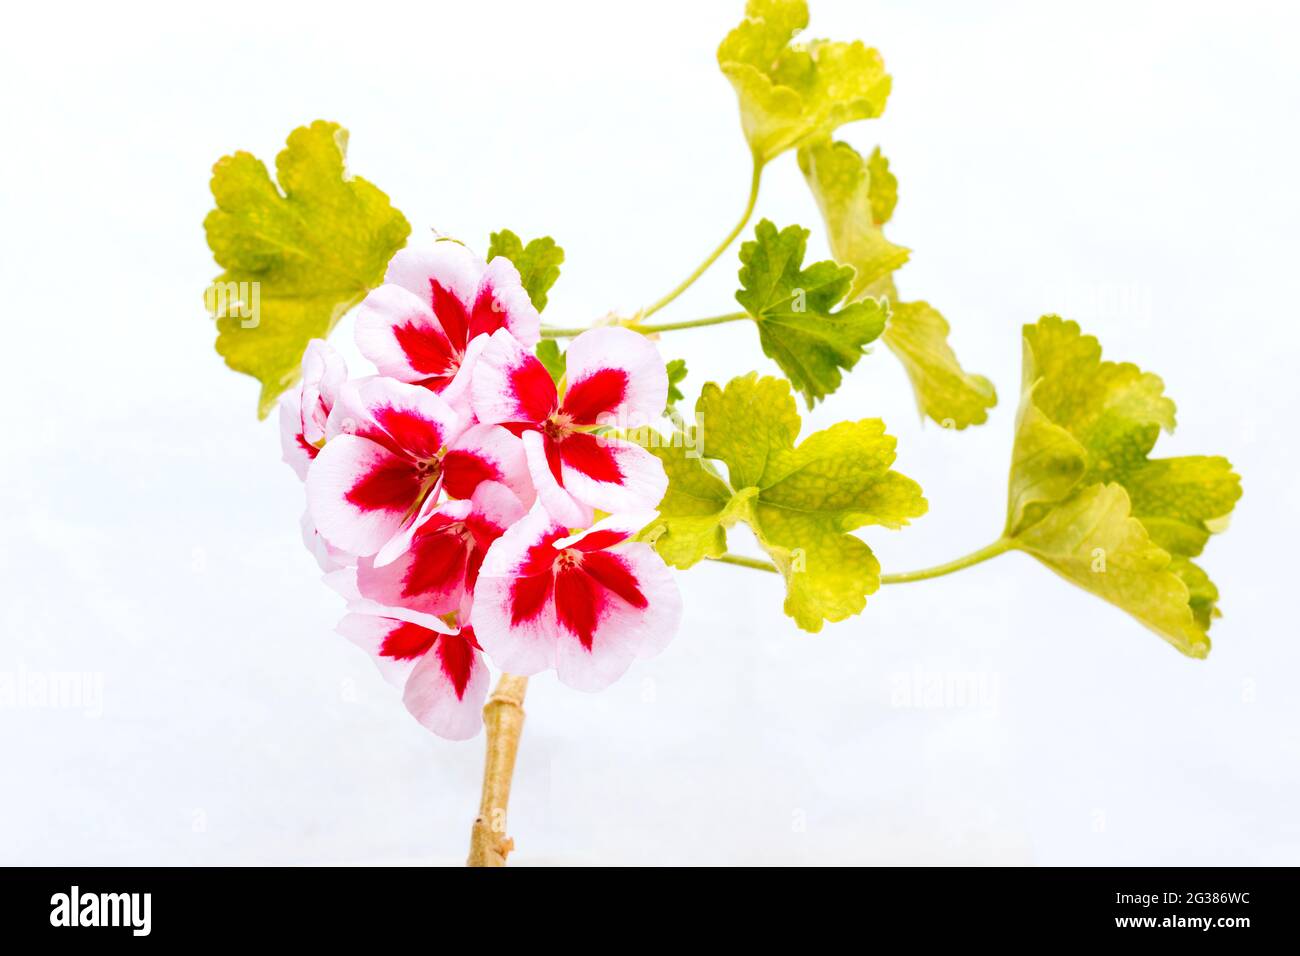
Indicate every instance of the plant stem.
{"type": "Point", "coordinates": [713, 256]}
{"type": "Point", "coordinates": [503, 721]}
{"type": "Point", "coordinates": [975, 557]}
{"type": "Point", "coordinates": [637, 326]}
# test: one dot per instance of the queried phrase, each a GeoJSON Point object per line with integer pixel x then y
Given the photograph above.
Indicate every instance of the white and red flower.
{"type": "Point", "coordinates": [424, 324]}
{"type": "Point", "coordinates": [436, 571]}
{"type": "Point", "coordinates": [390, 447]}
{"type": "Point", "coordinates": [303, 413]}
{"type": "Point", "coordinates": [585, 604]}
{"type": "Point", "coordinates": [441, 671]}
{"type": "Point", "coordinates": [615, 378]}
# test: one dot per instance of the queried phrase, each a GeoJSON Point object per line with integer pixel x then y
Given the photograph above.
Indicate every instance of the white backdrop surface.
{"type": "Point", "coordinates": [1130, 165]}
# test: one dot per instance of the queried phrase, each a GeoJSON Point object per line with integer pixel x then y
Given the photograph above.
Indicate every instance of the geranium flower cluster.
{"type": "Point", "coordinates": [453, 497]}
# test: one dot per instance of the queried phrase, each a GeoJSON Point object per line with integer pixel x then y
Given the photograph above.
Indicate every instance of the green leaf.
{"type": "Point", "coordinates": [676, 369]}
{"type": "Point", "coordinates": [538, 262]}
{"type": "Point", "coordinates": [306, 252]}
{"type": "Point", "coordinates": [856, 197]}
{"type": "Point", "coordinates": [556, 362]}
{"type": "Point", "coordinates": [800, 500]}
{"type": "Point", "coordinates": [1085, 498]}
{"type": "Point", "coordinates": [798, 324]}
{"type": "Point", "coordinates": [794, 93]}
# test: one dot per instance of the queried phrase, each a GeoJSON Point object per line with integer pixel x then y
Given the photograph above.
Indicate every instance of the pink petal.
{"type": "Point", "coordinates": [323, 375]}
{"type": "Point", "coordinates": [610, 474]}
{"type": "Point", "coordinates": [447, 689]}
{"type": "Point", "coordinates": [608, 531]}
{"type": "Point", "coordinates": [370, 632]}
{"type": "Point", "coordinates": [510, 384]}
{"type": "Point", "coordinates": [417, 421]}
{"type": "Point", "coordinates": [615, 377]}
{"type": "Point", "coordinates": [445, 278]}
{"type": "Point", "coordinates": [294, 449]}
{"type": "Point", "coordinates": [329, 558]}
{"type": "Point", "coordinates": [514, 610]}
{"type": "Point", "coordinates": [553, 496]}
{"type": "Point", "coordinates": [397, 331]}
{"type": "Point", "coordinates": [486, 453]}
{"type": "Point", "coordinates": [618, 605]}
{"type": "Point", "coordinates": [502, 303]}
{"type": "Point", "coordinates": [430, 574]}
{"type": "Point", "coordinates": [359, 493]}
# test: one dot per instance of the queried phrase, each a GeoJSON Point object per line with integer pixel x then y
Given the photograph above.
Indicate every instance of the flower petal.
{"type": "Point", "coordinates": [514, 609]}
{"type": "Point", "coordinates": [359, 493]}
{"type": "Point", "coordinates": [445, 277]}
{"type": "Point", "coordinates": [396, 329]}
{"type": "Point", "coordinates": [552, 495]}
{"type": "Point", "coordinates": [610, 474]}
{"type": "Point", "coordinates": [618, 605]}
{"type": "Point", "coordinates": [430, 575]}
{"type": "Point", "coordinates": [503, 303]}
{"type": "Point", "coordinates": [448, 687]}
{"type": "Point", "coordinates": [615, 377]}
{"type": "Point", "coordinates": [510, 384]}
{"type": "Point", "coordinates": [417, 421]}
{"type": "Point", "coordinates": [294, 449]}
{"type": "Point", "coordinates": [486, 453]}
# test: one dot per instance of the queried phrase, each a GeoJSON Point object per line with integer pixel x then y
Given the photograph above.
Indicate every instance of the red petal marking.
{"type": "Point", "coordinates": [488, 314]}
{"type": "Point", "coordinates": [437, 383]}
{"type": "Point", "coordinates": [613, 572]}
{"type": "Point", "coordinates": [483, 530]}
{"type": "Point", "coordinates": [311, 450]}
{"type": "Point", "coordinates": [541, 556]}
{"type": "Point", "coordinates": [528, 596]}
{"type": "Point", "coordinates": [392, 485]}
{"type": "Point", "coordinates": [456, 655]}
{"type": "Point", "coordinates": [552, 448]}
{"type": "Point", "coordinates": [463, 470]}
{"type": "Point", "coordinates": [437, 564]}
{"type": "Point", "coordinates": [592, 456]}
{"type": "Point", "coordinates": [427, 349]}
{"type": "Point", "coordinates": [451, 314]}
{"type": "Point", "coordinates": [600, 540]}
{"type": "Point", "coordinates": [410, 431]}
{"type": "Point", "coordinates": [473, 564]}
{"type": "Point", "coordinates": [407, 641]}
{"type": "Point", "coordinates": [602, 391]}
{"type": "Point", "coordinates": [578, 602]}
{"type": "Point", "coordinates": [534, 392]}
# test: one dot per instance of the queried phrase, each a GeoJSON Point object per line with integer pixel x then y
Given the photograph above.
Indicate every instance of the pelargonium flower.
{"type": "Point", "coordinates": [424, 324]}
{"type": "Point", "coordinates": [585, 604]}
{"type": "Point", "coordinates": [389, 447]}
{"type": "Point", "coordinates": [438, 564]}
{"type": "Point", "coordinates": [441, 671]}
{"type": "Point", "coordinates": [614, 377]}
{"type": "Point", "coordinates": [303, 413]}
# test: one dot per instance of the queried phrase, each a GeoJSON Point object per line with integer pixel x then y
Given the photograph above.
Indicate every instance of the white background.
{"type": "Point", "coordinates": [1130, 165]}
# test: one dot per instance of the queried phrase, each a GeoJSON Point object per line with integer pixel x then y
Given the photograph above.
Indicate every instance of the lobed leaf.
{"type": "Point", "coordinates": [856, 197]}
{"type": "Point", "coordinates": [799, 326]}
{"type": "Point", "coordinates": [538, 262]}
{"type": "Point", "coordinates": [792, 93]}
{"type": "Point", "coordinates": [801, 500]}
{"type": "Point", "coordinates": [1085, 498]}
{"type": "Point", "coordinates": [306, 251]}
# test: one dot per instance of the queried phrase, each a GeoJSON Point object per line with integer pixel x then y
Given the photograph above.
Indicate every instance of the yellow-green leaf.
{"type": "Point", "coordinates": [856, 197]}
{"type": "Point", "coordinates": [296, 257]}
{"type": "Point", "coordinates": [791, 93]}
{"type": "Point", "coordinates": [538, 262]}
{"type": "Point", "coordinates": [801, 500]}
{"type": "Point", "coordinates": [1085, 498]}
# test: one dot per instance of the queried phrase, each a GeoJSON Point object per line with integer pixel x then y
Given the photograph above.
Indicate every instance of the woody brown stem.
{"type": "Point", "coordinates": [503, 720]}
